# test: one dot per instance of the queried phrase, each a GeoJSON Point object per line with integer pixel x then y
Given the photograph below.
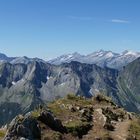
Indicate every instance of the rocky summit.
{"type": "Point", "coordinates": [75, 118]}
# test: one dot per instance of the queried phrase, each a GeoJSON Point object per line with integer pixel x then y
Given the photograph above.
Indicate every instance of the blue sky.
{"type": "Point", "coordinates": [49, 28]}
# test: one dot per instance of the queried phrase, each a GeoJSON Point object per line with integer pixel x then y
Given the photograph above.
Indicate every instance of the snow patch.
{"type": "Point", "coordinates": [96, 90]}
{"type": "Point", "coordinates": [13, 83]}
{"type": "Point", "coordinates": [62, 84]}
{"type": "Point", "coordinates": [110, 54]}
{"type": "Point", "coordinates": [70, 56]}
{"type": "Point", "coordinates": [66, 57]}
{"type": "Point", "coordinates": [129, 53]}
{"type": "Point", "coordinates": [91, 92]}
{"type": "Point", "coordinates": [48, 77]}
{"type": "Point", "coordinates": [100, 55]}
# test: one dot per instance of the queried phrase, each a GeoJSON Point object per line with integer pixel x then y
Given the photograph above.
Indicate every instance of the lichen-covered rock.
{"type": "Point", "coordinates": [116, 115]}
{"type": "Point", "coordinates": [86, 113]}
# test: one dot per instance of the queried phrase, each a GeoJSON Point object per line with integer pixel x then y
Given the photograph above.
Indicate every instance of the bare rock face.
{"type": "Point", "coordinates": [25, 86]}
{"type": "Point", "coordinates": [29, 85]}
{"type": "Point", "coordinates": [28, 127]}
{"type": "Point", "coordinates": [23, 128]}
{"type": "Point", "coordinates": [54, 123]}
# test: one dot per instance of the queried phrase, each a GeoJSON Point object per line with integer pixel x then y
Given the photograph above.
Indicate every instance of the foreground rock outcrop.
{"type": "Point", "coordinates": [75, 118]}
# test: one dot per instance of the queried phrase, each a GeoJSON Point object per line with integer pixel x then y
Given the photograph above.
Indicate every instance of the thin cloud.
{"type": "Point", "coordinates": [99, 19]}
{"type": "Point", "coordinates": [80, 18]}
{"type": "Point", "coordinates": [120, 21]}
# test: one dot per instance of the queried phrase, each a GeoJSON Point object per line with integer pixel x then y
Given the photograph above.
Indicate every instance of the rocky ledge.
{"type": "Point", "coordinates": [75, 118]}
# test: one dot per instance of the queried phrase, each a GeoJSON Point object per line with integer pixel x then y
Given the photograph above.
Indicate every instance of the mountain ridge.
{"type": "Point", "coordinates": [25, 86]}
{"type": "Point", "coordinates": [101, 58]}
{"type": "Point", "coordinates": [84, 119]}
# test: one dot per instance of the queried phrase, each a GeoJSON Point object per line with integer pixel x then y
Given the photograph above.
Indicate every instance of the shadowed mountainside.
{"type": "Point", "coordinates": [24, 86]}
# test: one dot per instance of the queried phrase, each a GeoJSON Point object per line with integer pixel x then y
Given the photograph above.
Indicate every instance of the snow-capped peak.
{"type": "Point", "coordinates": [67, 58]}
{"type": "Point", "coordinates": [102, 54]}
{"type": "Point", "coordinates": [109, 54]}
{"type": "Point", "coordinates": [101, 58]}
{"type": "Point", "coordinates": [126, 52]}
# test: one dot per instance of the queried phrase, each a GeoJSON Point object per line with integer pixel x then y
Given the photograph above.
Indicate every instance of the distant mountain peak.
{"type": "Point", "coordinates": [16, 60]}
{"type": "Point", "coordinates": [101, 58]}
{"type": "Point", "coordinates": [126, 52]}
{"type": "Point", "coordinates": [76, 53]}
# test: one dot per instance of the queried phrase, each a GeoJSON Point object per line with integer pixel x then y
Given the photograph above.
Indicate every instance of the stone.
{"type": "Point", "coordinates": [27, 128]}
{"type": "Point", "coordinates": [51, 121]}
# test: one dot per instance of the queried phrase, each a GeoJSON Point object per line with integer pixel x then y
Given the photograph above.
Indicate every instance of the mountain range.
{"type": "Point", "coordinates": [23, 86]}
{"type": "Point", "coordinates": [16, 60]}
{"type": "Point", "coordinates": [101, 58]}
